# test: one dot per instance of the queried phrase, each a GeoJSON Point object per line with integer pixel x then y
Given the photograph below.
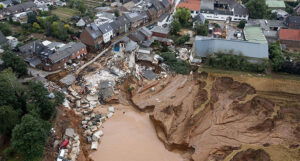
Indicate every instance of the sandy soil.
{"type": "Point", "coordinates": [216, 115]}
{"type": "Point", "coordinates": [130, 136]}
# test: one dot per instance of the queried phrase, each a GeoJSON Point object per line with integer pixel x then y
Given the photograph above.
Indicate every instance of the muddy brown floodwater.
{"type": "Point", "coordinates": [131, 136]}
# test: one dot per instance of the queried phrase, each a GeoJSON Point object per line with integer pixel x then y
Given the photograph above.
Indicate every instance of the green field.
{"type": "Point", "coordinates": [65, 13]}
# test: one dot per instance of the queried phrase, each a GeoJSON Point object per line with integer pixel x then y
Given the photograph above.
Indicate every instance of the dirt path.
{"type": "Point", "coordinates": [131, 136]}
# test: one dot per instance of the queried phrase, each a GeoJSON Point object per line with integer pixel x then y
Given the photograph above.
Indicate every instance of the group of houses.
{"type": "Point", "coordinates": [51, 56]}
{"type": "Point", "coordinates": [256, 36]}
{"type": "Point", "coordinates": [18, 11]}
{"type": "Point", "coordinates": [100, 32]}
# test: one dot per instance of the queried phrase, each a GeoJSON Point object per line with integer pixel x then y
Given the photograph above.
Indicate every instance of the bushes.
{"type": "Point", "coordinates": [276, 56]}
{"type": "Point", "coordinates": [177, 65]}
{"type": "Point", "coordinates": [182, 39]}
{"type": "Point", "coordinates": [202, 29]}
{"type": "Point", "coordinates": [235, 62]}
{"type": "Point", "coordinates": [11, 60]}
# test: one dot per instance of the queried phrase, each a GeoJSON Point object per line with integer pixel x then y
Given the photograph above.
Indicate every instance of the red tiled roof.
{"type": "Point", "coordinates": [289, 34]}
{"type": "Point", "coordinates": [192, 5]}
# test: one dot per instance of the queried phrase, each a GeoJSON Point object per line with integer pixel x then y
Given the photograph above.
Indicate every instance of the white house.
{"type": "Point", "coordinates": [223, 10]}
{"type": "Point", "coordinates": [20, 17]}
{"type": "Point", "coordinates": [43, 3]}
{"type": "Point", "coordinates": [12, 41]}
{"type": "Point", "coordinates": [107, 32]}
{"type": "Point", "coordinates": [6, 3]}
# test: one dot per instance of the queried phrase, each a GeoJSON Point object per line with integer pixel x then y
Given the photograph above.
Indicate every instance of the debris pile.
{"type": "Point", "coordinates": [70, 146]}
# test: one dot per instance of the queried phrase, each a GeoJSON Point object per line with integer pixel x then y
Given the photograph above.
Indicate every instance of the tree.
{"type": "Point", "coordinates": [177, 65]}
{"type": "Point", "coordinates": [36, 26]}
{"type": "Point", "coordinates": [202, 29]}
{"type": "Point", "coordinates": [257, 8]}
{"type": "Point", "coordinates": [183, 15]}
{"type": "Point", "coordinates": [182, 39]}
{"type": "Point", "coordinates": [59, 98]}
{"type": "Point", "coordinates": [9, 117]}
{"type": "Point", "coordinates": [1, 6]}
{"type": "Point", "coordinates": [11, 60]}
{"type": "Point", "coordinates": [59, 31]}
{"type": "Point", "coordinates": [41, 104]}
{"type": "Point", "coordinates": [31, 17]}
{"type": "Point", "coordinates": [5, 29]}
{"type": "Point", "coordinates": [242, 24]}
{"type": "Point", "coordinates": [117, 13]}
{"type": "Point", "coordinates": [11, 91]}
{"type": "Point", "coordinates": [276, 56]}
{"type": "Point", "coordinates": [29, 137]}
{"type": "Point", "coordinates": [175, 27]}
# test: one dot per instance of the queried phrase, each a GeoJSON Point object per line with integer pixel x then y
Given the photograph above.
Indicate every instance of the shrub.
{"type": "Point", "coordinates": [177, 65]}
{"type": "Point", "coordinates": [235, 62]}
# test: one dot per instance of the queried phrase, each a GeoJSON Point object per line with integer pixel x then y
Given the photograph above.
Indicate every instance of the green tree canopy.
{"type": "Point", "coordinates": [29, 137]}
{"type": "Point", "coordinates": [9, 117]}
{"type": "Point", "coordinates": [41, 104]}
{"type": "Point", "coordinates": [5, 29]}
{"type": "Point", "coordinates": [257, 8]}
{"type": "Point", "coordinates": [11, 60]}
{"type": "Point", "coordinates": [183, 15]}
{"type": "Point", "coordinates": [175, 27]}
{"type": "Point", "coordinates": [11, 91]}
{"type": "Point", "coordinates": [276, 56]}
{"type": "Point", "coordinates": [242, 24]}
{"type": "Point", "coordinates": [202, 29]}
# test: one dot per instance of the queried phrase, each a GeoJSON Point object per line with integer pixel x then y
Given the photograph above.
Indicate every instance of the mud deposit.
{"type": "Point", "coordinates": [131, 136]}
{"type": "Point", "coordinates": [211, 118]}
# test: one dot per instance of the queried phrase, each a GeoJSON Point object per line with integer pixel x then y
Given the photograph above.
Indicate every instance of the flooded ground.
{"type": "Point", "coordinates": [130, 136]}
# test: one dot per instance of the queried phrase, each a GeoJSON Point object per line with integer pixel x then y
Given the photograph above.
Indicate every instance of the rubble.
{"type": "Point", "coordinates": [94, 145]}
{"type": "Point", "coordinates": [68, 80]}
{"type": "Point", "coordinates": [96, 136]}
{"type": "Point", "coordinates": [70, 132]}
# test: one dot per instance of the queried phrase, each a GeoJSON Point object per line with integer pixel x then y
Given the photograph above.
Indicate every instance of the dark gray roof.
{"type": "Point", "coordinates": [294, 20]}
{"type": "Point", "coordinates": [137, 36]}
{"type": "Point", "coordinates": [7, 2]}
{"type": "Point", "coordinates": [207, 6]}
{"type": "Point", "coordinates": [199, 18]}
{"type": "Point", "coordinates": [133, 16]}
{"type": "Point", "coordinates": [34, 61]}
{"type": "Point", "coordinates": [3, 39]}
{"type": "Point", "coordinates": [165, 3]}
{"type": "Point", "coordinates": [157, 5]}
{"type": "Point", "coordinates": [21, 7]}
{"type": "Point", "coordinates": [66, 51]}
{"type": "Point", "coordinates": [114, 25]}
{"type": "Point", "coordinates": [32, 47]}
{"type": "Point", "coordinates": [130, 46]}
{"type": "Point", "coordinates": [105, 28]}
{"type": "Point", "coordinates": [93, 30]}
{"type": "Point", "coordinates": [119, 23]}
{"type": "Point", "coordinates": [159, 29]}
{"type": "Point", "coordinates": [87, 20]}
{"type": "Point", "coordinates": [145, 31]}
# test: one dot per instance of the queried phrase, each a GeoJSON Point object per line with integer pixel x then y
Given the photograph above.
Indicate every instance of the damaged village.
{"type": "Point", "coordinates": [149, 80]}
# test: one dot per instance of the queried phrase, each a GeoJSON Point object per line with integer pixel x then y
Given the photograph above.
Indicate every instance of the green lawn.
{"type": "Point", "coordinates": [65, 13]}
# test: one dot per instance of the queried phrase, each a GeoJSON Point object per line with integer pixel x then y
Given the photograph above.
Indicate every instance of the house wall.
{"type": "Point", "coordinates": [80, 52]}
{"type": "Point", "coordinates": [220, 17]}
{"type": "Point", "coordinates": [159, 34]}
{"type": "Point", "coordinates": [88, 40]}
{"type": "Point", "coordinates": [209, 46]}
{"type": "Point", "coordinates": [61, 63]}
{"type": "Point", "coordinates": [291, 44]}
{"type": "Point", "coordinates": [107, 36]}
